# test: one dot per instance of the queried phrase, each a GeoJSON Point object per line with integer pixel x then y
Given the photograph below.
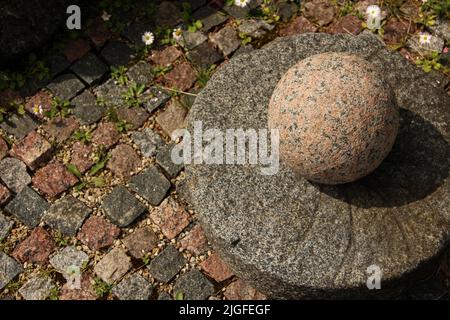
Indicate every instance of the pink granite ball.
{"type": "Point", "coordinates": [336, 116]}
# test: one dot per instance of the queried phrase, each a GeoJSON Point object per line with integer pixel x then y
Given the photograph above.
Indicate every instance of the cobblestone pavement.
{"type": "Point", "coordinates": [87, 182]}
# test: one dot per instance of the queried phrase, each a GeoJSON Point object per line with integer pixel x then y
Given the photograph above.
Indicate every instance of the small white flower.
{"type": "Point", "coordinates": [38, 109]}
{"type": "Point", "coordinates": [424, 1]}
{"type": "Point", "coordinates": [373, 13]}
{"type": "Point", "coordinates": [241, 3]}
{"type": "Point", "coordinates": [148, 38]}
{"type": "Point", "coordinates": [177, 34]}
{"type": "Point", "coordinates": [425, 38]}
{"type": "Point", "coordinates": [105, 16]}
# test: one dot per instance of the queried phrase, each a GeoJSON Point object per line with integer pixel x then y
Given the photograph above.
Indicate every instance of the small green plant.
{"type": "Point", "coordinates": [179, 296]}
{"type": "Point", "coordinates": [101, 158]}
{"type": "Point", "coordinates": [11, 107]}
{"type": "Point", "coordinates": [74, 170]}
{"type": "Point", "coordinates": [119, 75]}
{"type": "Point", "coordinates": [439, 8]}
{"type": "Point", "coordinates": [431, 63]}
{"type": "Point", "coordinates": [84, 136]}
{"type": "Point", "coordinates": [131, 96]}
{"type": "Point", "coordinates": [269, 12]}
{"type": "Point", "coordinates": [165, 36]}
{"type": "Point", "coordinates": [100, 101]}
{"type": "Point", "coordinates": [159, 71]}
{"type": "Point", "coordinates": [146, 259]}
{"type": "Point", "coordinates": [60, 240]}
{"type": "Point", "coordinates": [54, 294]}
{"type": "Point", "coordinates": [59, 108]}
{"type": "Point", "coordinates": [123, 126]}
{"type": "Point", "coordinates": [193, 24]}
{"type": "Point", "coordinates": [245, 38]}
{"type": "Point", "coordinates": [203, 75]}
{"type": "Point", "coordinates": [102, 289]}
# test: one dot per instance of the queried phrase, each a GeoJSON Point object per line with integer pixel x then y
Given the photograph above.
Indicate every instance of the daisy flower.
{"type": "Point", "coordinates": [37, 109]}
{"type": "Point", "coordinates": [373, 13]}
{"type": "Point", "coordinates": [424, 38]}
{"type": "Point", "coordinates": [241, 3]}
{"type": "Point", "coordinates": [177, 34]}
{"type": "Point", "coordinates": [148, 38]}
{"type": "Point", "coordinates": [105, 16]}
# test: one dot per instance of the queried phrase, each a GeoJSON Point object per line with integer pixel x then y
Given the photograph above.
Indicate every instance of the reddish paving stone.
{"type": "Point", "coordinates": [99, 33]}
{"type": "Point", "coordinates": [298, 26]}
{"type": "Point", "coordinates": [61, 129]}
{"type": "Point", "coordinates": [39, 104]}
{"type": "Point", "coordinates": [82, 156]}
{"type": "Point", "coordinates": [239, 290]}
{"type": "Point", "coordinates": [3, 148]}
{"type": "Point", "coordinates": [5, 195]}
{"type": "Point", "coordinates": [76, 49]}
{"type": "Point", "coordinates": [106, 134]}
{"type": "Point", "coordinates": [195, 241]}
{"type": "Point", "coordinates": [141, 242]}
{"type": "Point", "coordinates": [166, 56]}
{"type": "Point", "coordinates": [395, 30]}
{"type": "Point", "coordinates": [98, 233]}
{"type": "Point", "coordinates": [170, 217]}
{"type": "Point", "coordinates": [86, 291]}
{"type": "Point", "coordinates": [53, 179]}
{"type": "Point", "coordinates": [9, 96]}
{"type": "Point", "coordinates": [319, 11]}
{"type": "Point", "coordinates": [34, 150]}
{"type": "Point", "coordinates": [36, 248]}
{"type": "Point", "coordinates": [347, 24]}
{"type": "Point", "coordinates": [172, 118]}
{"type": "Point", "coordinates": [124, 161]}
{"type": "Point", "coordinates": [182, 77]}
{"type": "Point", "coordinates": [216, 268]}
{"type": "Point", "coordinates": [135, 116]}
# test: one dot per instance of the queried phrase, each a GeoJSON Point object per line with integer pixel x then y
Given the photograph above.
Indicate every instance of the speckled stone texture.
{"type": "Point", "coordinates": [336, 116]}
{"type": "Point", "coordinates": [290, 238]}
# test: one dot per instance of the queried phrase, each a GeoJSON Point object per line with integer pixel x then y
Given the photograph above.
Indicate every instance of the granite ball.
{"type": "Point", "coordinates": [336, 115]}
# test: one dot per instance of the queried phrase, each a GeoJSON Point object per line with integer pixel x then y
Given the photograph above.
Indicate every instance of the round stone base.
{"type": "Point", "coordinates": [291, 238]}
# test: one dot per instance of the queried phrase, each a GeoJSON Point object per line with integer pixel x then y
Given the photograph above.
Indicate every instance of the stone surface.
{"type": "Point", "coordinates": [255, 28]}
{"type": "Point", "coordinates": [53, 179]}
{"type": "Point", "coordinates": [298, 26]}
{"type": "Point", "coordinates": [5, 226]}
{"type": "Point", "coordinates": [38, 288]}
{"type": "Point", "coordinates": [154, 98]}
{"type": "Point", "coordinates": [13, 173]}
{"type": "Point", "coordinates": [190, 40]}
{"type": "Point", "coordinates": [99, 33]}
{"type": "Point", "coordinates": [181, 77]}
{"type": "Point", "coordinates": [134, 287]}
{"type": "Point", "coordinates": [168, 15]}
{"type": "Point", "coordinates": [34, 150]}
{"type": "Point", "coordinates": [61, 129]}
{"type": "Point", "coordinates": [239, 290]}
{"type": "Point", "coordinates": [436, 44]}
{"type": "Point", "coordinates": [106, 134]}
{"type": "Point", "coordinates": [194, 286]}
{"type": "Point", "coordinates": [124, 161]}
{"type": "Point", "coordinates": [39, 101]}
{"type": "Point", "coordinates": [395, 30]}
{"type": "Point", "coordinates": [86, 109]}
{"type": "Point", "coordinates": [209, 17]}
{"type": "Point", "coordinates": [319, 11]}
{"type": "Point", "coordinates": [113, 266]}
{"type": "Point", "coordinates": [5, 195]}
{"type": "Point", "coordinates": [67, 215]}
{"type": "Point", "coordinates": [3, 148]}
{"type": "Point", "coordinates": [254, 219]}
{"type": "Point", "coordinates": [326, 135]}
{"type": "Point", "coordinates": [28, 207]}
{"type": "Point", "coordinates": [141, 242]}
{"type": "Point", "coordinates": [151, 185]}
{"type": "Point", "coordinates": [68, 259]}
{"type": "Point", "coordinates": [204, 55]}
{"type": "Point", "coordinates": [82, 156]}
{"type": "Point", "coordinates": [172, 118]}
{"type": "Point", "coordinates": [216, 268]}
{"type": "Point", "coordinates": [441, 29]}
{"type": "Point", "coordinates": [347, 24]}
{"type": "Point", "coordinates": [148, 141]}
{"type": "Point", "coordinates": [121, 207]}
{"type": "Point", "coordinates": [195, 241]}
{"type": "Point", "coordinates": [170, 217]}
{"type": "Point", "coordinates": [167, 264]}
{"type": "Point", "coordinates": [135, 117]}
{"type": "Point", "coordinates": [97, 233]}
{"type": "Point", "coordinates": [19, 126]}
{"type": "Point", "coordinates": [66, 86]}
{"type": "Point", "coordinates": [140, 73]}
{"type": "Point", "coordinates": [117, 53]}
{"type": "Point", "coordinates": [85, 292]}
{"type": "Point", "coordinates": [166, 56]}
{"type": "Point", "coordinates": [90, 68]}
{"type": "Point", "coordinates": [226, 39]}
{"type": "Point", "coordinates": [9, 269]}
{"type": "Point", "coordinates": [76, 49]}
{"type": "Point", "coordinates": [36, 248]}
{"type": "Point", "coordinates": [164, 159]}
{"type": "Point", "coordinates": [111, 94]}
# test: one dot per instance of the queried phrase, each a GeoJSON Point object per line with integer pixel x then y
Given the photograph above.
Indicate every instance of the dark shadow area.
{"type": "Point", "coordinates": [416, 166]}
